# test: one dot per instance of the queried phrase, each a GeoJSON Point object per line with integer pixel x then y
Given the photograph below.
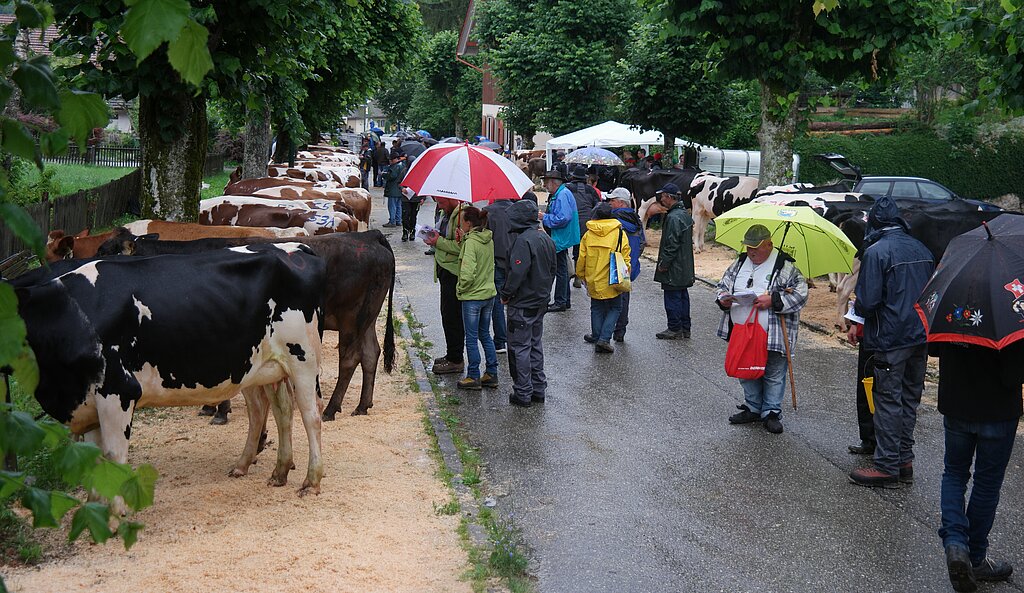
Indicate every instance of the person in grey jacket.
{"type": "Point", "coordinates": [894, 270]}
{"type": "Point", "coordinates": [530, 269]}
{"type": "Point", "coordinates": [498, 223]}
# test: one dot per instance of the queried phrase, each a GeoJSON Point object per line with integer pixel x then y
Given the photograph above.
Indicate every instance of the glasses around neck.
{"type": "Point", "coordinates": [750, 282]}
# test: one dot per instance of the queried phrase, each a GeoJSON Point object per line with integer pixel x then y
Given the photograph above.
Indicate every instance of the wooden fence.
{"type": "Point", "coordinates": [104, 155]}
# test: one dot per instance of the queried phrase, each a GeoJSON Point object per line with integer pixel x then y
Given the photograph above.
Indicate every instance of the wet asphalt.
{"type": "Point", "coordinates": [629, 478]}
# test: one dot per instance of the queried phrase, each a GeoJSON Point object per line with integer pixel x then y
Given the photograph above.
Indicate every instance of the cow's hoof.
{"type": "Point", "coordinates": [308, 488]}
{"type": "Point", "coordinates": [328, 416]}
{"type": "Point", "coordinates": [276, 481]}
{"type": "Point", "coordinates": [237, 472]}
{"type": "Point", "coordinates": [359, 412]}
{"type": "Point", "coordinates": [207, 410]}
{"type": "Point", "coordinates": [219, 420]}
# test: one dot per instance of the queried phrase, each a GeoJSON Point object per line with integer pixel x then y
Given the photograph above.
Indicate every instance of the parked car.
{"type": "Point", "coordinates": [897, 187]}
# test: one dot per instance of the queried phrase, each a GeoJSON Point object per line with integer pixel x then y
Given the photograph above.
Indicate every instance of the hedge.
{"type": "Point", "coordinates": [984, 172]}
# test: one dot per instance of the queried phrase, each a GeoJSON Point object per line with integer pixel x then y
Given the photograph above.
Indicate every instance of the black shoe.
{"type": "Point", "coordinates": [429, 251]}
{"type": "Point", "coordinates": [744, 416]}
{"type": "Point", "coordinates": [907, 472]}
{"type": "Point", "coordinates": [603, 347]}
{"type": "Point", "coordinates": [992, 570]}
{"type": "Point", "coordinates": [405, 237]}
{"type": "Point", "coordinates": [558, 309]}
{"type": "Point", "coordinates": [864, 448]}
{"type": "Point", "coordinates": [537, 399]}
{"type": "Point", "coordinates": [686, 334]}
{"type": "Point", "coordinates": [515, 401]}
{"type": "Point", "coordinates": [961, 575]}
{"type": "Point", "coordinates": [619, 337]}
{"type": "Point", "coordinates": [589, 338]}
{"type": "Point", "coordinates": [772, 423]}
{"type": "Point", "coordinates": [669, 335]}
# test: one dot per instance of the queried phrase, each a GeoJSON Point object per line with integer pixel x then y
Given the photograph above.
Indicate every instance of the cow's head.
{"type": "Point", "coordinates": [62, 246]}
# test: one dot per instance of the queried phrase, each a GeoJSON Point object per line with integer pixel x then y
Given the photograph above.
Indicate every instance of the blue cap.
{"type": "Point", "coordinates": [670, 188]}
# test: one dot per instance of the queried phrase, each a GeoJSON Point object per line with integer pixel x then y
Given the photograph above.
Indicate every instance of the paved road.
{"type": "Point", "coordinates": [630, 479]}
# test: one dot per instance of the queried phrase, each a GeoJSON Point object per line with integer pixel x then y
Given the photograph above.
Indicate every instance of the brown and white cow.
{"type": "Point", "coordinates": [316, 217]}
{"type": "Point", "coordinates": [61, 246]}
{"type": "Point", "coordinates": [357, 198]}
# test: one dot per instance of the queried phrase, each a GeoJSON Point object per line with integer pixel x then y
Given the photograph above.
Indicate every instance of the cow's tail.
{"type": "Point", "coordinates": [389, 331]}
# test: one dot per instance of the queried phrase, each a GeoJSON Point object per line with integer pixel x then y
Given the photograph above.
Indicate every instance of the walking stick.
{"type": "Point", "coordinates": [789, 359]}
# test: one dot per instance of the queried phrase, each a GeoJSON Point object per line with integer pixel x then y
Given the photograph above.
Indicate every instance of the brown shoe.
{"type": "Point", "coordinates": [447, 367]}
{"type": "Point", "coordinates": [907, 472]}
{"type": "Point", "coordinates": [488, 380]}
{"type": "Point", "coordinates": [469, 383]}
{"type": "Point", "coordinates": [874, 478]}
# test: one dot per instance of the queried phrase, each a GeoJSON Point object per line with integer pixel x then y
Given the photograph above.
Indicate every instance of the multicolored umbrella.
{"type": "Point", "coordinates": [976, 295]}
{"type": "Point", "coordinates": [593, 155]}
{"type": "Point", "coordinates": [466, 173]}
{"type": "Point", "coordinates": [817, 245]}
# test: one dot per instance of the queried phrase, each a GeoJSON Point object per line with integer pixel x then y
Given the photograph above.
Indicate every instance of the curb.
{"type": "Point", "coordinates": [468, 506]}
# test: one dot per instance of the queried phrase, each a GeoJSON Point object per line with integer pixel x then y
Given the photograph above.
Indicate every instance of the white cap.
{"type": "Point", "coordinates": [619, 193]}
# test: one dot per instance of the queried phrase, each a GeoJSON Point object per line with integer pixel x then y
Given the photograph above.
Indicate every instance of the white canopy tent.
{"type": "Point", "coordinates": [610, 134]}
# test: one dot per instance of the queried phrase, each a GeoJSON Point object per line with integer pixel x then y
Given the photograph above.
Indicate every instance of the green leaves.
{"type": "Point", "coordinates": [47, 507]}
{"type": "Point", "coordinates": [17, 141]}
{"type": "Point", "coordinates": [19, 434]}
{"type": "Point", "coordinates": [23, 226]}
{"type": "Point", "coordinates": [148, 23]}
{"type": "Point", "coordinates": [96, 518]}
{"type": "Point", "coordinates": [35, 79]}
{"type": "Point", "coordinates": [75, 460]}
{"type": "Point", "coordinates": [137, 490]}
{"type": "Point", "coordinates": [79, 114]}
{"type": "Point", "coordinates": [189, 54]}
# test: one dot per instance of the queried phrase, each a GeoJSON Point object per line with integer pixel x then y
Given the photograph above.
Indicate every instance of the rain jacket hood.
{"type": "Point", "coordinates": [522, 215]}
{"type": "Point", "coordinates": [883, 214]}
{"type": "Point", "coordinates": [476, 267]}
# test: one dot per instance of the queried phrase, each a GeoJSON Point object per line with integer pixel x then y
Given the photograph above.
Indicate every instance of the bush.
{"type": "Point", "coordinates": [230, 144]}
{"type": "Point", "coordinates": [982, 172]}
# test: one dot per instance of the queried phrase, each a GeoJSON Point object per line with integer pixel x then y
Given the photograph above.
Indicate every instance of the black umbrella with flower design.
{"type": "Point", "coordinates": [977, 292]}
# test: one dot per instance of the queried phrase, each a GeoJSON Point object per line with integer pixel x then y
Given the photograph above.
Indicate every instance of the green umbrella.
{"type": "Point", "coordinates": [817, 245]}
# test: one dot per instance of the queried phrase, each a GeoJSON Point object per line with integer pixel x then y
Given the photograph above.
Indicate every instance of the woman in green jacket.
{"type": "Point", "coordinates": [476, 291]}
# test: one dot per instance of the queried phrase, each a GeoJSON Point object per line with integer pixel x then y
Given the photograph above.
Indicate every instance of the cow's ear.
{"type": "Point", "coordinates": [84, 233]}
{"type": "Point", "coordinates": [54, 235]}
{"type": "Point", "coordinates": [128, 247]}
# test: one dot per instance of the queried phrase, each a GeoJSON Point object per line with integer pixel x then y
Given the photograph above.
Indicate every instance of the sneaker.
{"type": "Point", "coordinates": [429, 251]}
{"type": "Point", "coordinates": [744, 416]}
{"type": "Point", "coordinates": [772, 423]}
{"type": "Point", "coordinates": [991, 570]}
{"type": "Point", "coordinates": [874, 478]}
{"type": "Point", "coordinates": [589, 338]}
{"type": "Point", "coordinates": [558, 308]}
{"type": "Point", "coordinates": [864, 448]}
{"type": "Point", "coordinates": [907, 472]}
{"type": "Point", "coordinates": [515, 401]}
{"type": "Point", "coordinates": [669, 335]}
{"type": "Point", "coordinates": [603, 347]}
{"type": "Point", "coordinates": [488, 380]}
{"type": "Point", "coordinates": [470, 383]}
{"type": "Point", "coordinates": [447, 367]}
{"type": "Point", "coordinates": [961, 574]}
{"type": "Point", "coordinates": [389, 225]}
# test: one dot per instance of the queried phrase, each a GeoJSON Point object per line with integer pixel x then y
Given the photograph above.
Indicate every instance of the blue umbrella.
{"type": "Point", "coordinates": [424, 133]}
{"type": "Point", "coordinates": [376, 130]}
{"type": "Point", "coordinates": [592, 155]}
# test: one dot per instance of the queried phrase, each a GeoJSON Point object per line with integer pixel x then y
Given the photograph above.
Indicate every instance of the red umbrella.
{"type": "Point", "coordinates": [466, 173]}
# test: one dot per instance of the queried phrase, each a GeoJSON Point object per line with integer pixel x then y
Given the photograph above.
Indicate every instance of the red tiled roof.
{"type": "Point", "coordinates": [38, 41]}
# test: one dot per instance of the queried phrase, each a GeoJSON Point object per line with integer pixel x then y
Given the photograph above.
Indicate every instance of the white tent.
{"type": "Point", "coordinates": [609, 134]}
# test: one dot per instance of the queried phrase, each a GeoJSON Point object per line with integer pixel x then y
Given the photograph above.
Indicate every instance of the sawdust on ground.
{"type": "Point", "coordinates": [372, 528]}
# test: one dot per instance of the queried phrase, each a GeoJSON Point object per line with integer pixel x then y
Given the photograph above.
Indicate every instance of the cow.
{"type": "Point", "coordinates": [710, 195]}
{"type": "Point", "coordinates": [241, 187]}
{"type": "Point", "coordinates": [643, 184]}
{"type": "Point", "coordinates": [60, 246]}
{"type": "Point", "coordinates": [114, 335]}
{"type": "Point", "coordinates": [358, 199]}
{"type": "Point", "coordinates": [316, 217]}
{"type": "Point", "coordinates": [536, 168]}
{"type": "Point", "coordinates": [360, 270]}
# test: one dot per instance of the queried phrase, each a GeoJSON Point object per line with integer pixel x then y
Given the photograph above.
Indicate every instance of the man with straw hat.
{"type": "Point", "coordinates": [781, 292]}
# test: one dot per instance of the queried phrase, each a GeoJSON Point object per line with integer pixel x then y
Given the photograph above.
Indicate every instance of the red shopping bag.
{"type": "Point", "coordinates": [747, 354]}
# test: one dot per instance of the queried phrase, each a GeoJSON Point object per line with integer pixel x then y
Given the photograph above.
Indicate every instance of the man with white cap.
{"type": "Point", "coordinates": [620, 201]}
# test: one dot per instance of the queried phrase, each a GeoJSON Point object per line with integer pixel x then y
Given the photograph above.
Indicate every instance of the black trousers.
{"type": "Point", "coordinates": [451, 316]}
{"type": "Point", "coordinates": [410, 210]}
{"type": "Point", "coordinates": [865, 421]}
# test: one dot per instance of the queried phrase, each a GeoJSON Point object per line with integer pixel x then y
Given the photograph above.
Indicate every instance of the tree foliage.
{"type": "Point", "coordinates": [997, 32]}
{"type": "Point", "coordinates": [554, 59]}
{"type": "Point", "coordinates": [661, 86]}
{"type": "Point", "coordinates": [446, 95]}
{"type": "Point", "coordinates": [778, 42]}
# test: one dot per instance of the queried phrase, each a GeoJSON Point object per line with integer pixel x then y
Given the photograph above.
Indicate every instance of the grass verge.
{"type": "Point", "coordinates": [504, 558]}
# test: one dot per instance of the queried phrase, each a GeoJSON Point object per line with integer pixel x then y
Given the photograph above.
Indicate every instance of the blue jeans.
{"type": "Point", "coordinates": [476, 318]}
{"type": "Point", "coordinates": [562, 278]}
{"type": "Point", "coordinates": [986, 445]}
{"type": "Point", "coordinates": [677, 309]}
{"type": "Point", "coordinates": [395, 210]}
{"type": "Point", "coordinates": [764, 395]}
{"type": "Point", "coordinates": [498, 310]}
{"type": "Point", "coordinates": [604, 313]}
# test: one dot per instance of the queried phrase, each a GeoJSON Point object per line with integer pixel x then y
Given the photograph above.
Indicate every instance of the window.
{"type": "Point", "coordinates": [875, 188]}
{"type": "Point", "coordinates": [934, 191]}
{"type": "Point", "coordinates": [905, 189]}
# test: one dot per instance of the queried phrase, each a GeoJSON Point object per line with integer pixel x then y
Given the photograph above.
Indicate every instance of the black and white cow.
{"type": "Point", "coordinates": [710, 195]}
{"type": "Point", "coordinates": [113, 335]}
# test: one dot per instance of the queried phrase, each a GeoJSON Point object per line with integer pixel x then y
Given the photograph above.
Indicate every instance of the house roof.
{"type": "Point", "coordinates": [38, 41]}
{"type": "Point", "coordinates": [466, 45]}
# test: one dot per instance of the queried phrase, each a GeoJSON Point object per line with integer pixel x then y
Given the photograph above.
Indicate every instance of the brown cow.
{"type": "Point", "coordinates": [60, 246]}
{"type": "Point", "coordinates": [248, 186]}
{"type": "Point", "coordinates": [315, 222]}
{"type": "Point", "coordinates": [360, 273]}
{"type": "Point", "coordinates": [358, 199]}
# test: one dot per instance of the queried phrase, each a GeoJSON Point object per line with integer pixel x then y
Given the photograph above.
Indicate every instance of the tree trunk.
{"type": "Point", "coordinates": [257, 142]}
{"type": "Point", "coordinates": [776, 138]}
{"type": "Point", "coordinates": [173, 136]}
{"type": "Point", "coordinates": [285, 151]}
{"type": "Point", "coordinates": [668, 149]}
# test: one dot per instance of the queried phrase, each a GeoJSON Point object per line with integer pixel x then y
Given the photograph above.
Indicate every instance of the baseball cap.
{"type": "Point", "coordinates": [670, 188]}
{"type": "Point", "coordinates": [619, 193]}
{"type": "Point", "coordinates": [756, 235]}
